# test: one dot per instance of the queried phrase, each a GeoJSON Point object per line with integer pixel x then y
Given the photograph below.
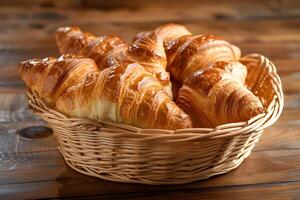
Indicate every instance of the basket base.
{"type": "Point", "coordinates": [126, 179]}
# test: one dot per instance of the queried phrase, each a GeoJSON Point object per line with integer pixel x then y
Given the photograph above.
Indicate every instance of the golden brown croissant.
{"type": "Point", "coordinates": [71, 40]}
{"type": "Point", "coordinates": [147, 50]}
{"type": "Point", "coordinates": [167, 33]}
{"type": "Point", "coordinates": [213, 91]}
{"type": "Point", "coordinates": [188, 54]}
{"type": "Point", "coordinates": [213, 96]}
{"type": "Point", "coordinates": [124, 93]}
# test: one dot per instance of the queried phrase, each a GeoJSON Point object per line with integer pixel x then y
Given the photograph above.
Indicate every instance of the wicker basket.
{"type": "Point", "coordinates": [123, 153]}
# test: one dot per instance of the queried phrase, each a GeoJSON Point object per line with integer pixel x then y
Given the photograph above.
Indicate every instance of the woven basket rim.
{"type": "Point", "coordinates": [256, 123]}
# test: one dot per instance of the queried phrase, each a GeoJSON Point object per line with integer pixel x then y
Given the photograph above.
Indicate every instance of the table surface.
{"type": "Point", "coordinates": [33, 168]}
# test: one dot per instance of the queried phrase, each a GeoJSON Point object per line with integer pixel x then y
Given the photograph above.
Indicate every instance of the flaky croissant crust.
{"type": "Point", "coordinates": [147, 50]}
{"type": "Point", "coordinates": [129, 82]}
{"type": "Point", "coordinates": [210, 77]}
{"type": "Point", "coordinates": [124, 93]}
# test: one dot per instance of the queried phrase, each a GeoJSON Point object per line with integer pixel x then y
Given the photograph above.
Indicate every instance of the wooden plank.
{"type": "Point", "coordinates": [42, 3]}
{"type": "Point", "coordinates": [280, 137]}
{"type": "Point", "coordinates": [9, 88]}
{"type": "Point", "coordinates": [286, 66]}
{"type": "Point", "coordinates": [284, 134]}
{"type": "Point", "coordinates": [17, 33]}
{"type": "Point", "coordinates": [47, 180]}
{"type": "Point", "coordinates": [13, 107]}
{"type": "Point", "coordinates": [291, 83]}
{"type": "Point", "coordinates": [260, 167]}
{"type": "Point", "coordinates": [13, 142]}
{"type": "Point", "coordinates": [280, 191]}
{"type": "Point", "coordinates": [157, 10]}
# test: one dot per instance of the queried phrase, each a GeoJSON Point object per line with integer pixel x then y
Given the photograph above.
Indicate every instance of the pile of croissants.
{"type": "Point", "coordinates": [166, 79]}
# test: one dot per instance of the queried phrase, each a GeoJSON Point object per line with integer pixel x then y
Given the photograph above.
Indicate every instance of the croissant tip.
{"type": "Point", "coordinates": [24, 67]}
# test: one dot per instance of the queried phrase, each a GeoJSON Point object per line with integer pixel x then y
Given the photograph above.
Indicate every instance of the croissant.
{"type": "Point", "coordinates": [124, 93]}
{"type": "Point", "coordinates": [213, 96]}
{"type": "Point", "coordinates": [213, 91]}
{"type": "Point", "coordinates": [147, 50]}
{"type": "Point", "coordinates": [71, 40]}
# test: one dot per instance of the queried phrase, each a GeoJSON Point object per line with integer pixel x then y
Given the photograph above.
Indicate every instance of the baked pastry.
{"type": "Point", "coordinates": [213, 96]}
{"type": "Point", "coordinates": [128, 83]}
{"type": "Point", "coordinates": [212, 79]}
{"type": "Point", "coordinates": [71, 40]}
{"type": "Point", "coordinates": [107, 51]}
{"type": "Point", "coordinates": [124, 93]}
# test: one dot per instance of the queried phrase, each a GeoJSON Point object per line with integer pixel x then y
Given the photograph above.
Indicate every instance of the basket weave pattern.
{"type": "Point", "coordinates": [125, 153]}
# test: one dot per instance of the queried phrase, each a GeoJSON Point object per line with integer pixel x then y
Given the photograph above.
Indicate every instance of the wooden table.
{"type": "Point", "coordinates": [33, 168]}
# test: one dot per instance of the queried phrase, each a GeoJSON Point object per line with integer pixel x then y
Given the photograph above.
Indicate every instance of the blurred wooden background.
{"type": "Point", "coordinates": [33, 168]}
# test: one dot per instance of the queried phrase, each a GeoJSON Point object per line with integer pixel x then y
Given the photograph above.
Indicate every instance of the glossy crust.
{"type": "Point", "coordinates": [212, 96]}
{"type": "Point", "coordinates": [147, 50]}
{"type": "Point", "coordinates": [71, 40]}
{"type": "Point", "coordinates": [188, 54]}
{"type": "Point", "coordinates": [212, 80]}
{"type": "Point", "coordinates": [124, 93]}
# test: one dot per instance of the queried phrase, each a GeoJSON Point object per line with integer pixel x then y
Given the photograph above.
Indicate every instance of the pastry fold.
{"type": "Point", "coordinates": [124, 93]}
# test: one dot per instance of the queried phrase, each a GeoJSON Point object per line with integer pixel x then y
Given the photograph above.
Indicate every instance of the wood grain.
{"type": "Point", "coordinates": [261, 168]}
{"type": "Point", "coordinates": [17, 32]}
{"type": "Point", "coordinates": [35, 168]}
{"type": "Point", "coordinates": [161, 10]}
{"type": "Point", "coordinates": [280, 191]}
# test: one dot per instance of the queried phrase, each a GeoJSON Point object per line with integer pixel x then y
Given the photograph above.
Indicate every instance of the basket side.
{"type": "Point", "coordinates": [265, 83]}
